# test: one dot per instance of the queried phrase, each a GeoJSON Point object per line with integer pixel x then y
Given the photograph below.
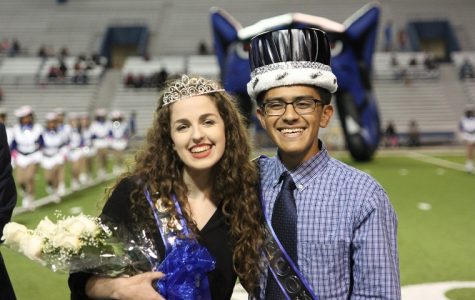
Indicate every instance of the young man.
{"type": "Point", "coordinates": [333, 228]}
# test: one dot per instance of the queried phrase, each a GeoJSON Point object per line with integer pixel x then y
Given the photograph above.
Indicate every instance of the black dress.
{"type": "Point", "coordinates": [8, 199]}
{"type": "Point", "coordinates": [215, 236]}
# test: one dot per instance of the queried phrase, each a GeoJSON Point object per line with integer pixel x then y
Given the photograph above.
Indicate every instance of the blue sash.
{"type": "Point", "coordinates": [291, 281]}
{"type": "Point", "coordinates": [186, 262]}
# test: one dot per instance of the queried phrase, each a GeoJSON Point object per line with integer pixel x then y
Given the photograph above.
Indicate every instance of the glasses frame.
{"type": "Point", "coordinates": [315, 100]}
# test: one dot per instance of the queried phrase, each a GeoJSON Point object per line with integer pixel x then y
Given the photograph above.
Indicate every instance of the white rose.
{"type": "Point", "coordinates": [90, 226]}
{"type": "Point", "coordinates": [13, 234]}
{"type": "Point", "coordinates": [46, 228]}
{"type": "Point", "coordinates": [74, 226]}
{"type": "Point", "coordinates": [32, 246]}
{"type": "Point", "coordinates": [67, 241]}
{"type": "Point", "coordinates": [70, 242]}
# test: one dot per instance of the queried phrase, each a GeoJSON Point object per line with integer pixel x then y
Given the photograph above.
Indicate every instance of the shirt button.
{"type": "Point", "coordinates": [299, 186]}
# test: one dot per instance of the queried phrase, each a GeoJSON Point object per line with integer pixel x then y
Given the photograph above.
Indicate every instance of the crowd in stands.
{"type": "Point", "coordinates": [156, 80]}
{"type": "Point", "coordinates": [427, 68]}
{"type": "Point", "coordinates": [73, 139]}
{"type": "Point", "coordinates": [10, 47]}
{"type": "Point", "coordinates": [76, 72]}
{"type": "Point", "coordinates": [466, 70]}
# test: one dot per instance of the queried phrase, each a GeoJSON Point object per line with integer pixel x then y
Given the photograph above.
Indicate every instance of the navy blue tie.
{"type": "Point", "coordinates": [284, 223]}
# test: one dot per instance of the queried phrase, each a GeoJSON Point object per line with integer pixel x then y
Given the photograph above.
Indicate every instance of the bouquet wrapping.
{"type": "Point", "coordinates": [86, 244]}
{"type": "Point", "coordinates": [82, 243]}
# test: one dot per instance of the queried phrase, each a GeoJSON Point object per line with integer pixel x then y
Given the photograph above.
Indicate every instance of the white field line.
{"type": "Point", "coordinates": [434, 290]}
{"type": "Point", "coordinates": [435, 161]}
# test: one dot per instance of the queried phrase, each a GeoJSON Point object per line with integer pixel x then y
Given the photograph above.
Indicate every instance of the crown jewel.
{"type": "Point", "coordinates": [189, 87]}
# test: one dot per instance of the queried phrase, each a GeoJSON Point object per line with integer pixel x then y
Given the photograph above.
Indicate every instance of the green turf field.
{"type": "Point", "coordinates": [435, 205]}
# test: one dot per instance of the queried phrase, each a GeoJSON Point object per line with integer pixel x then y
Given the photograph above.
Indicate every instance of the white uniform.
{"type": "Point", "coordinates": [65, 132]}
{"type": "Point", "coordinates": [88, 150]}
{"type": "Point", "coordinates": [467, 128]}
{"type": "Point", "coordinates": [75, 145]}
{"type": "Point", "coordinates": [120, 135]}
{"type": "Point", "coordinates": [26, 144]}
{"type": "Point", "coordinates": [53, 142]}
{"type": "Point", "coordinates": [100, 134]}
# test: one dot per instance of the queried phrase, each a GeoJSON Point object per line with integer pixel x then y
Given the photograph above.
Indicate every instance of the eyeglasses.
{"type": "Point", "coordinates": [301, 106]}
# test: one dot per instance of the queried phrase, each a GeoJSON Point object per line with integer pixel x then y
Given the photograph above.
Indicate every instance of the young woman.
{"type": "Point", "coordinates": [197, 156]}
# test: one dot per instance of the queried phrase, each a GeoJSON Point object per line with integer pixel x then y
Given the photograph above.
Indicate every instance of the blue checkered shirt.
{"type": "Point", "coordinates": [346, 228]}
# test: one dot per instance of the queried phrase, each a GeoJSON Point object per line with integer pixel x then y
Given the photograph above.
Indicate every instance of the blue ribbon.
{"type": "Point", "coordinates": [186, 263]}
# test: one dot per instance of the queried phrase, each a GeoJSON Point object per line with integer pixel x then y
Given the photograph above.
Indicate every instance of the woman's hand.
{"type": "Point", "coordinates": [124, 288]}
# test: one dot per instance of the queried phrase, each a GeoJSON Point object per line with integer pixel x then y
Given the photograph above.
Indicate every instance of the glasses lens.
{"type": "Point", "coordinates": [275, 108]}
{"type": "Point", "coordinates": [304, 106]}
{"type": "Point", "coordinates": [301, 106]}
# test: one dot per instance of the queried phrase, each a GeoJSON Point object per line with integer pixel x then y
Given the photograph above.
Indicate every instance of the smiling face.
{"type": "Point", "coordinates": [295, 135]}
{"type": "Point", "coordinates": [197, 132]}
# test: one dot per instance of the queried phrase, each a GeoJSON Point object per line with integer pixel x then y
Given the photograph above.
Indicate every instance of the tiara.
{"type": "Point", "coordinates": [189, 87]}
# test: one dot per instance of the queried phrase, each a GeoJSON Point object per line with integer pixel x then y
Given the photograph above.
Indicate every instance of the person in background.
{"type": "Point", "coordinates": [120, 135]}
{"type": "Point", "coordinates": [413, 135]}
{"type": "Point", "coordinates": [467, 130]}
{"type": "Point", "coordinates": [52, 162]}
{"type": "Point", "coordinates": [334, 222]}
{"type": "Point", "coordinates": [196, 160]}
{"type": "Point", "coordinates": [467, 70]}
{"type": "Point", "coordinates": [133, 123]}
{"type": "Point", "coordinates": [390, 137]}
{"type": "Point", "coordinates": [64, 130]}
{"type": "Point", "coordinates": [75, 150]}
{"type": "Point", "coordinates": [8, 199]}
{"type": "Point", "coordinates": [388, 36]}
{"type": "Point", "coordinates": [26, 153]}
{"type": "Point", "coordinates": [100, 134]}
{"type": "Point", "coordinates": [88, 150]}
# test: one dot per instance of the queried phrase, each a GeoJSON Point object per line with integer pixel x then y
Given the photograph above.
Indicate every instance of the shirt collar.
{"type": "Point", "coordinates": [305, 172]}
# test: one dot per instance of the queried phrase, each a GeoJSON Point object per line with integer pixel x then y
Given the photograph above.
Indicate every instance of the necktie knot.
{"type": "Point", "coordinates": [288, 183]}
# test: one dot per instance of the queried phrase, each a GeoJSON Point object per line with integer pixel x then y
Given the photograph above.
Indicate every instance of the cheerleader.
{"type": "Point", "coordinates": [101, 134]}
{"type": "Point", "coordinates": [88, 152]}
{"type": "Point", "coordinates": [64, 130]}
{"type": "Point", "coordinates": [75, 150]}
{"type": "Point", "coordinates": [26, 153]}
{"type": "Point", "coordinates": [53, 159]}
{"type": "Point", "coordinates": [119, 140]}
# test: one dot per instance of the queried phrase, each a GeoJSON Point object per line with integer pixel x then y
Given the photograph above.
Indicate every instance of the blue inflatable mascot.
{"type": "Point", "coordinates": [353, 44]}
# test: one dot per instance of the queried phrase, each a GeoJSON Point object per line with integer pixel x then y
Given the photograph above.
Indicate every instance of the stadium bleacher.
{"type": "Point", "coordinates": [177, 27]}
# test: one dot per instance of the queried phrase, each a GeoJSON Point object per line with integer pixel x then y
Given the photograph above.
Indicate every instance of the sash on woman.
{"type": "Point", "coordinates": [186, 262]}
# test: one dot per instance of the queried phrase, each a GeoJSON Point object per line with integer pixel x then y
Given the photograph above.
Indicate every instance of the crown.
{"type": "Point", "coordinates": [189, 87]}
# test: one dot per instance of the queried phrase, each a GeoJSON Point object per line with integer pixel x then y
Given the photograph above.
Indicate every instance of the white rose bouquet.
{"type": "Point", "coordinates": [81, 243]}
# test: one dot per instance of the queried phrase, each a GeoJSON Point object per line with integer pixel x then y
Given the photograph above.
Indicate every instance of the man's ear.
{"type": "Point", "coordinates": [327, 114]}
{"type": "Point", "coordinates": [260, 115]}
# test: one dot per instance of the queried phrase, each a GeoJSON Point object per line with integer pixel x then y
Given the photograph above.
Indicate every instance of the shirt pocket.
{"type": "Point", "coordinates": [326, 266]}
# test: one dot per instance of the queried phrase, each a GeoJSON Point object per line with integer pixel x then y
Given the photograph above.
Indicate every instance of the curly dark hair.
{"type": "Point", "coordinates": [235, 185]}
